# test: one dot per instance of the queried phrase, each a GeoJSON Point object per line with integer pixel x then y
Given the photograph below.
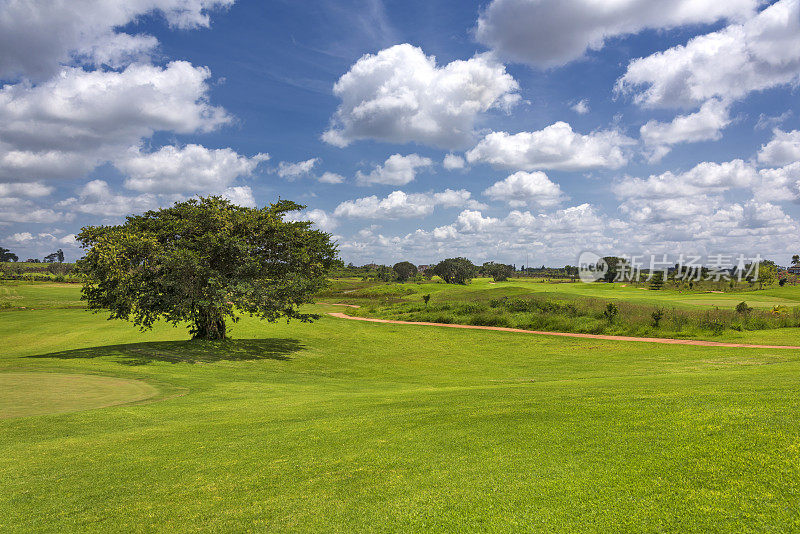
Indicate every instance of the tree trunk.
{"type": "Point", "coordinates": [210, 325]}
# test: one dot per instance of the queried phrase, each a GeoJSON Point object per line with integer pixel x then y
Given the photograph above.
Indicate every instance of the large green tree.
{"type": "Point", "coordinates": [7, 255]}
{"type": "Point", "coordinates": [404, 270]}
{"type": "Point", "coordinates": [203, 261]}
{"type": "Point", "coordinates": [498, 271]}
{"type": "Point", "coordinates": [455, 270]}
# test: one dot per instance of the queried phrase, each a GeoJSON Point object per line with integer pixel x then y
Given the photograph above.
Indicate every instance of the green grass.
{"type": "Point", "coordinates": [26, 394]}
{"type": "Point", "coordinates": [347, 426]}
{"type": "Point", "coordinates": [577, 307]}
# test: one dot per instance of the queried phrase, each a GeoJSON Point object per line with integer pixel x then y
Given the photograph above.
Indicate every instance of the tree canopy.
{"type": "Point", "coordinates": [498, 271]}
{"type": "Point", "coordinates": [204, 260]}
{"type": "Point", "coordinates": [57, 256]}
{"type": "Point", "coordinates": [7, 255]}
{"type": "Point", "coordinates": [455, 270]}
{"type": "Point", "coordinates": [404, 270]}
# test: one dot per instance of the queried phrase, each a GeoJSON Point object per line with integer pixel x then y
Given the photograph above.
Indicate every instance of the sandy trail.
{"type": "Point", "coordinates": [664, 341]}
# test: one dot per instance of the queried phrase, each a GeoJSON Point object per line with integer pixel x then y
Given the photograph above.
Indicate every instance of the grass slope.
{"type": "Point", "coordinates": [353, 427]}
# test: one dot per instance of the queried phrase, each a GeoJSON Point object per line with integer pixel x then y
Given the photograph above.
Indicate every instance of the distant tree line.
{"type": "Point", "coordinates": [7, 256]}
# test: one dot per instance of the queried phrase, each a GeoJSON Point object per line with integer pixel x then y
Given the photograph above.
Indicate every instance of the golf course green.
{"type": "Point", "coordinates": [349, 426]}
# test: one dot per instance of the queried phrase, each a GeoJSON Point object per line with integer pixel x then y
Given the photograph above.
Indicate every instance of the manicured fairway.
{"type": "Point", "coordinates": [348, 426]}
{"type": "Point", "coordinates": [25, 394]}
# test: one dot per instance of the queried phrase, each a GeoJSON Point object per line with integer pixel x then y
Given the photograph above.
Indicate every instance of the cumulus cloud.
{"type": "Point", "coordinates": [16, 206]}
{"type": "Point", "coordinates": [397, 170]}
{"type": "Point", "coordinates": [34, 189]}
{"type": "Point", "coordinates": [779, 185]}
{"type": "Point", "coordinates": [555, 147]}
{"type": "Point", "coordinates": [454, 162]}
{"type": "Point", "coordinates": [704, 125]}
{"type": "Point", "coordinates": [321, 219]}
{"type": "Point", "coordinates": [581, 107]}
{"type": "Point", "coordinates": [401, 205]}
{"type": "Point", "coordinates": [27, 238]}
{"type": "Point", "coordinates": [400, 95]}
{"type": "Point", "coordinates": [331, 178]}
{"type": "Point", "coordinates": [240, 195]}
{"type": "Point", "coordinates": [685, 204]}
{"type": "Point", "coordinates": [704, 178]}
{"type": "Point", "coordinates": [67, 126]}
{"type": "Point", "coordinates": [36, 36]}
{"type": "Point", "coordinates": [97, 198]}
{"type": "Point", "coordinates": [527, 188]}
{"type": "Point", "coordinates": [561, 234]}
{"type": "Point", "coordinates": [784, 148]}
{"type": "Point", "coordinates": [292, 171]}
{"type": "Point", "coordinates": [548, 33]}
{"type": "Point", "coordinates": [758, 54]}
{"type": "Point", "coordinates": [16, 210]}
{"type": "Point", "coordinates": [192, 168]}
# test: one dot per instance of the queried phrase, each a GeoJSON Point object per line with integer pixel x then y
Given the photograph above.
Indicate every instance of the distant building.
{"type": "Point", "coordinates": [422, 268]}
{"type": "Point", "coordinates": [794, 269]}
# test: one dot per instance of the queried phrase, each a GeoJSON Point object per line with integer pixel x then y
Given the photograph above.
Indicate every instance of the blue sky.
{"type": "Point", "coordinates": [618, 127]}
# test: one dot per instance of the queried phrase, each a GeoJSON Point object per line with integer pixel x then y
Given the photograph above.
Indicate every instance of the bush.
{"type": "Point", "coordinates": [611, 312]}
{"type": "Point", "coordinates": [657, 316]}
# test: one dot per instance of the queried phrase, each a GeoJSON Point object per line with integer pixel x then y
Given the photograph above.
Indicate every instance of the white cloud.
{"type": "Point", "coordinates": [17, 210]}
{"type": "Point", "coordinates": [321, 219]}
{"type": "Point", "coordinates": [547, 33]}
{"type": "Point", "coordinates": [397, 170]}
{"type": "Point", "coordinates": [453, 162]}
{"type": "Point", "coordinates": [702, 225]}
{"type": "Point", "coordinates": [36, 36]}
{"type": "Point", "coordinates": [555, 147]}
{"type": "Point", "coordinates": [241, 196]}
{"type": "Point", "coordinates": [97, 198]}
{"type": "Point", "coordinates": [193, 168]}
{"type": "Point", "coordinates": [770, 122]}
{"type": "Point", "coordinates": [779, 185]}
{"type": "Point", "coordinates": [562, 234]}
{"type": "Point", "coordinates": [35, 189]}
{"type": "Point", "coordinates": [331, 178]}
{"type": "Point", "coordinates": [527, 188]}
{"type": "Point", "coordinates": [292, 171]}
{"type": "Point", "coordinates": [704, 125]}
{"type": "Point", "coordinates": [21, 237]}
{"type": "Point", "coordinates": [400, 95]}
{"type": "Point", "coordinates": [15, 206]}
{"type": "Point", "coordinates": [784, 148]}
{"type": "Point", "coordinates": [704, 178]}
{"type": "Point", "coordinates": [761, 53]}
{"type": "Point", "coordinates": [582, 107]}
{"type": "Point", "coordinates": [67, 126]}
{"type": "Point", "coordinates": [37, 245]}
{"type": "Point", "coordinates": [400, 205]}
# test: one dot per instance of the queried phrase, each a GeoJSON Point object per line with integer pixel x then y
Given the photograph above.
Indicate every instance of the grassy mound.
{"type": "Point", "coordinates": [26, 394]}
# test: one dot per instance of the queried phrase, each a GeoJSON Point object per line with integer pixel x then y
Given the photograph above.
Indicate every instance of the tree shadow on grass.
{"type": "Point", "coordinates": [190, 351]}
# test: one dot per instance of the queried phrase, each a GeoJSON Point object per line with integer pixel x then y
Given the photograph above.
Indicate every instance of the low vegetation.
{"type": "Point", "coordinates": [600, 309]}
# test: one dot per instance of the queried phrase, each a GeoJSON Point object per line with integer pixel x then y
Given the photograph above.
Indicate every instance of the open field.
{"type": "Point", "coordinates": [357, 427]}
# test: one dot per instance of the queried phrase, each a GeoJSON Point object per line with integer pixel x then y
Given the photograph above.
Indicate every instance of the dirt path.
{"type": "Point", "coordinates": [665, 341]}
